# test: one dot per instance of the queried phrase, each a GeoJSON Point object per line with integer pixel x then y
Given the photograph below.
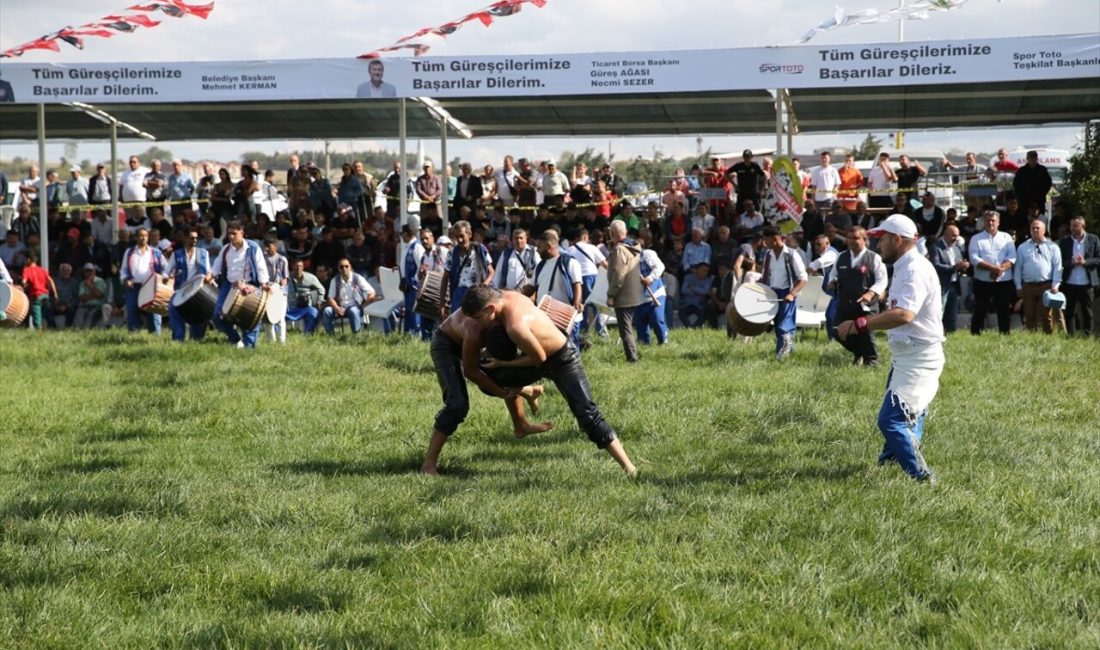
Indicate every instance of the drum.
{"type": "Point", "coordinates": [195, 301]}
{"type": "Point", "coordinates": [430, 298]}
{"type": "Point", "coordinates": [155, 295]}
{"type": "Point", "coordinates": [245, 310]}
{"type": "Point", "coordinates": [276, 306]}
{"type": "Point", "coordinates": [752, 309]}
{"type": "Point", "coordinates": [13, 305]}
{"type": "Point", "coordinates": [563, 315]}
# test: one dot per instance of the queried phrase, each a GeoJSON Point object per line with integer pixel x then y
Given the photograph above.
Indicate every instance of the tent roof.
{"type": "Point", "coordinates": [1063, 101]}
{"type": "Point", "coordinates": [733, 112]}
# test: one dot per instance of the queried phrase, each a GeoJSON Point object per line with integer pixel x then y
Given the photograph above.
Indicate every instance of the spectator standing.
{"type": "Point", "coordinates": [825, 180]}
{"type": "Point", "coordinates": [881, 182]}
{"type": "Point", "coordinates": [155, 184]}
{"type": "Point", "coordinates": [749, 179]}
{"type": "Point", "coordinates": [948, 257]}
{"type": "Point", "coordinates": [468, 190]}
{"type": "Point", "coordinates": [625, 289]}
{"type": "Point", "coordinates": [1080, 275]}
{"type": "Point", "coordinates": [28, 188]}
{"type": "Point", "coordinates": [1038, 269]}
{"type": "Point", "coordinates": [851, 181]}
{"type": "Point", "coordinates": [180, 187]}
{"type": "Point", "coordinates": [1032, 183]}
{"type": "Point", "coordinates": [76, 188]}
{"type": "Point", "coordinates": [908, 174]}
{"type": "Point", "coordinates": [992, 254]}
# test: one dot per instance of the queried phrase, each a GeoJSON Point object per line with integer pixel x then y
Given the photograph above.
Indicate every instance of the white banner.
{"type": "Point", "coordinates": [831, 66]}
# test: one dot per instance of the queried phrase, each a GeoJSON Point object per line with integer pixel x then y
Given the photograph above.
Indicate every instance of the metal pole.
{"type": "Point", "coordinates": [404, 197]}
{"type": "Point", "coordinates": [901, 23]}
{"type": "Point", "coordinates": [778, 122]}
{"type": "Point", "coordinates": [443, 206]}
{"type": "Point", "coordinates": [43, 218]}
{"type": "Point", "coordinates": [114, 180]}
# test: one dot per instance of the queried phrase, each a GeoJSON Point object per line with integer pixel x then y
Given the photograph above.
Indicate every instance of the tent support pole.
{"type": "Point", "coordinates": [43, 218]}
{"type": "Point", "coordinates": [403, 194]}
{"type": "Point", "coordinates": [114, 175]}
{"type": "Point", "coordinates": [778, 122]}
{"type": "Point", "coordinates": [445, 171]}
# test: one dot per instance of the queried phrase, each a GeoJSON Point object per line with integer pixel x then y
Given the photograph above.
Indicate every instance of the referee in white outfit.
{"type": "Point", "coordinates": [914, 322]}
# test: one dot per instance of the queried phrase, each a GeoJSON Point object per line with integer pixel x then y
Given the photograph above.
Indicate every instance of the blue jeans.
{"type": "Point", "coordinates": [950, 295]}
{"type": "Point", "coordinates": [226, 328]}
{"type": "Point", "coordinates": [354, 314]}
{"type": "Point", "coordinates": [784, 319]}
{"type": "Point", "coordinates": [308, 316]}
{"type": "Point", "coordinates": [180, 326]}
{"type": "Point", "coordinates": [134, 314]}
{"type": "Point", "coordinates": [902, 438]}
{"type": "Point", "coordinates": [830, 320]}
{"type": "Point", "coordinates": [412, 319]}
{"type": "Point", "coordinates": [648, 315]}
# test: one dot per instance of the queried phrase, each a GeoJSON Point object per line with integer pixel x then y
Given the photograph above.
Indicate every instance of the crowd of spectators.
{"type": "Point", "coordinates": [704, 229]}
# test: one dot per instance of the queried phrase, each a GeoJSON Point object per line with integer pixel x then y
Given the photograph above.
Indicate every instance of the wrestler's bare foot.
{"type": "Point", "coordinates": [429, 469]}
{"type": "Point", "coordinates": [530, 429]}
{"type": "Point", "coordinates": [631, 471]}
{"type": "Point", "coordinates": [532, 395]}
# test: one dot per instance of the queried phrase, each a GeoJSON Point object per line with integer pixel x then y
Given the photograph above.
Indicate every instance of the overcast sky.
{"type": "Point", "coordinates": [273, 29]}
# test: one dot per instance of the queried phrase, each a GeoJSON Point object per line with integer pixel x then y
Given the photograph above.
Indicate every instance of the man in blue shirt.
{"type": "Point", "coordinates": [180, 188]}
{"type": "Point", "coordinates": [1038, 269]}
{"type": "Point", "coordinates": [696, 251]}
{"type": "Point", "coordinates": [694, 290]}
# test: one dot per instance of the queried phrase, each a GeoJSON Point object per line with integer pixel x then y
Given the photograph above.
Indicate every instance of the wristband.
{"type": "Point", "coordinates": [861, 325]}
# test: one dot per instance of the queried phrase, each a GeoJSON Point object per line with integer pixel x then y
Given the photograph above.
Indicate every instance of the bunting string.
{"type": "Point", "coordinates": [413, 42]}
{"type": "Point", "coordinates": [914, 10]}
{"type": "Point", "coordinates": [108, 26]}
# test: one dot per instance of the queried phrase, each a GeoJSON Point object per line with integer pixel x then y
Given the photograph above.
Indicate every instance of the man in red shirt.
{"type": "Point", "coordinates": [714, 177]}
{"type": "Point", "coordinates": [39, 287]}
{"type": "Point", "coordinates": [1002, 164]}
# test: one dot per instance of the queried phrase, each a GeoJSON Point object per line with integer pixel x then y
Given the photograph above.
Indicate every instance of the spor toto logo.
{"type": "Point", "coordinates": [776, 68]}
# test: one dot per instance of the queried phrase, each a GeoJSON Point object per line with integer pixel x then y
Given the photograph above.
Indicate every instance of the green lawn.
{"type": "Point", "coordinates": [194, 496]}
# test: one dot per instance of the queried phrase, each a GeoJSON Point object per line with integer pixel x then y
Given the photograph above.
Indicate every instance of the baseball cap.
{"type": "Point", "coordinates": [444, 241]}
{"type": "Point", "coordinates": [164, 244]}
{"type": "Point", "coordinates": [74, 168]}
{"type": "Point", "coordinates": [747, 152]}
{"type": "Point", "coordinates": [551, 163]}
{"type": "Point", "coordinates": [895, 224]}
{"type": "Point", "coordinates": [89, 266]}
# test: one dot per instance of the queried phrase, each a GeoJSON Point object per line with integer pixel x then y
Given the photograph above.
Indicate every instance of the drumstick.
{"type": "Point", "coordinates": [652, 296]}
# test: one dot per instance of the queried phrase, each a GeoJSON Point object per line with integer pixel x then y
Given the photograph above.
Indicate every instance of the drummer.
{"type": "Point", "coordinates": [188, 262]}
{"type": "Point", "coordinates": [141, 262]}
{"type": "Point", "coordinates": [239, 265]}
{"type": "Point", "coordinates": [785, 273]}
{"type": "Point", "coordinates": [278, 270]}
{"type": "Point", "coordinates": [410, 276]}
{"type": "Point", "coordinates": [434, 259]}
{"type": "Point", "coordinates": [559, 276]}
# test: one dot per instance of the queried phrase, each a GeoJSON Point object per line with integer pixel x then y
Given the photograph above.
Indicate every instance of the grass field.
{"type": "Point", "coordinates": [199, 496]}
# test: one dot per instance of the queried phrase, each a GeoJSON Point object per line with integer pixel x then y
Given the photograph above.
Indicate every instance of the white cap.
{"type": "Point", "coordinates": [444, 241]}
{"type": "Point", "coordinates": [896, 224]}
{"type": "Point", "coordinates": [74, 168]}
{"type": "Point", "coordinates": [164, 244]}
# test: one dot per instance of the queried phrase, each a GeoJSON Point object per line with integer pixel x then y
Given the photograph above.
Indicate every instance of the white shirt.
{"type": "Point", "coordinates": [825, 261]}
{"type": "Point", "coordinates": [825, 180]}
{"type": "Point", "coordinates": [750, 222]}
{"type": "Point", "coordinates": [434, 261]}
{"type": "Point", "coordinates": [30, 182]}
{"type": "Point", "coordinates": [505, 180]}
{"type": "Point", "coordinates": [133, 184]}
{"type": "Point", "coordinates": [995, 250]}
{"type": "Point", "coordinates": [237, 266]}
{"type": "Point", "coordinates": [5, 277]}
{"type": "Point", "coordinates": [139, 265]}
{"type": "Point", "coordinates": [916, 289]}
{"type": "Point", "coordinates": [704, 223]}
{"type": "Point", "coordinates": [350, 292]}
{"type": "Point", "coordinates": [656, 270]}
{"type": "Point", "coordinates": [1077, 275]}
{"type": "Point", "coordinates": [514, 273]}
{"type": "Point", "coordinates": [877, 268]}
{"type": "Point", "coordinates": [780, 278]}
{"type": "Point", "coordinates": [102, 231]}
{"type": "Point", "coordinates": [588, 256]}
{"type": "Point", "coordinates": [877, 179]}
{"type": "Point", "coordinates": [192, 263]}
{"type": "Point", "coordinates": [557, 291]}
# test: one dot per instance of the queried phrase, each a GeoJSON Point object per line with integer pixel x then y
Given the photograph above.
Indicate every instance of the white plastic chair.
{"type": "Point", "coordinates": [812, 302]}
{"type": "Point", "coordinates": [392, 296]}
{"type": "Point", "coordinates": [598, 298]}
